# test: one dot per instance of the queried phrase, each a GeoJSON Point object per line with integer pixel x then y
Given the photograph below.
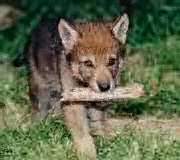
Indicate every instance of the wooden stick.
{"type": "Point", "coordinates": [86, 94]}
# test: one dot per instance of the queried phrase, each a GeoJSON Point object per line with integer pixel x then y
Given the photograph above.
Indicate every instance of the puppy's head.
{"type": "Point", "coordinates": [95, 51]}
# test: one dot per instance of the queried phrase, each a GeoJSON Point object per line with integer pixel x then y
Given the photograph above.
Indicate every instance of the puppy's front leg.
{"type": "Point", "coordinates": [76, 118]}
{"type": "Point", "coordinates": [99, 123]}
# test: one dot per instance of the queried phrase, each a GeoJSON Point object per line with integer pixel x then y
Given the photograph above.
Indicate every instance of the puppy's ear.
{"type": "Point", "coordinates": [68, 35]}
{"type": "Point", "coordinates": [121, 27]}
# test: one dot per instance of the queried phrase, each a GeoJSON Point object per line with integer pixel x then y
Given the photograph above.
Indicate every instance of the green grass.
{"type": "Point", "coordinates": [153, 62]}
{"type": "Point", "coordinates": [20, 138]}
{"type": "Point", "coordinates": [134, 145]}
{"type": "Point", "coordinates": [51, 140]}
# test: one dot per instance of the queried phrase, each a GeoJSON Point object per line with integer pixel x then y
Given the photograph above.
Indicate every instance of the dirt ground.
{"type": "Point", "coordinates": [145, 124]}
{"type": "Point", "coordinates": [150, 124]}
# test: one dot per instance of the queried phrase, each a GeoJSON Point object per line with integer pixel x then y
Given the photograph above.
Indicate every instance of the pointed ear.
{"type": "Point", "coordinates": [121, 27]}
{"type": "Point", "coordinates": [68, 35]}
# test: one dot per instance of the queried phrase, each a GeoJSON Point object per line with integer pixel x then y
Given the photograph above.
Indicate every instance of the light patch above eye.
{"type": "Point", "coordinates": [83, 58]}
{"type": "Point", "coordinates": [114, 56]}
{"type": "Point", "coordinates": [86, 57]}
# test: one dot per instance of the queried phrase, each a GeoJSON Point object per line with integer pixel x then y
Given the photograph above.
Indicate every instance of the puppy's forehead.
{"type": "Point", "coordinates": [97, 42]}
{"type": "Point", "coordinates": [96, 38]}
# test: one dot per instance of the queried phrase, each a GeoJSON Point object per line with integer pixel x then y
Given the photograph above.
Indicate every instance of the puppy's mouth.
{"type": "Point", "coordinates": [102, 87]}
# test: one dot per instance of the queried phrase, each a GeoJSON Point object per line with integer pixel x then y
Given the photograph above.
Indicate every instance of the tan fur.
{"type": "Point", "coordinates": [91, 56]}
{"type": "Point", "coordinates": [96, 45]}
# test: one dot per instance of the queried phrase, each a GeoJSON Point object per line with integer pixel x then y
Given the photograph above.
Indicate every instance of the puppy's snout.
{"type": "Point", "coordinates": [104, 86]}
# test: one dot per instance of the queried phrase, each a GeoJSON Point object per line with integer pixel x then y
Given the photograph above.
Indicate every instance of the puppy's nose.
{"type": "Point", "coordinates": [103, 86]}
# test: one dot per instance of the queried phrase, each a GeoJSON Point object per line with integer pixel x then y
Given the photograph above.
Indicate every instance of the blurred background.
{"type": "Point", "coordinates": [151, 20]}
{"type": "Point", "coordinates": [153, 60]}
{"type": "Point", "coordinates": [153, 50]}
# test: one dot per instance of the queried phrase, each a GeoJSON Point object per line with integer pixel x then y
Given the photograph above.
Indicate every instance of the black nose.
{"type": "Point", "coordinates": [103, 86]}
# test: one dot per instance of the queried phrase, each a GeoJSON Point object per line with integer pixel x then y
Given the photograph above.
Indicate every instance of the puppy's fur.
{"type": "Point", "coordinates": [64, 55]}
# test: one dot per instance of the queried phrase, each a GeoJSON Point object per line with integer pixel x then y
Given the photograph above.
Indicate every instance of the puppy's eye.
{"type": "Point", "coordinates": [111, 62]}
{"type": "Point", "coordinates": [88, 63]}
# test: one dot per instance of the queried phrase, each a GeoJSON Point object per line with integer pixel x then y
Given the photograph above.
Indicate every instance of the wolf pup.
{"type": "Point", "coordinates": [68, 54]}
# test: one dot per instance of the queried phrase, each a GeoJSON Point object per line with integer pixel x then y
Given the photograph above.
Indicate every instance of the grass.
{"type": "Point", "coordinates": [45, 141]}
{"type": "Point", "coordinates": [20, 138]}
{"type": "Point", "coordinates": [52, 140]}
{"type": "Point", "coordinates": [155, 65]}
{"type": "Point", "coordinates": [134, 145]}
